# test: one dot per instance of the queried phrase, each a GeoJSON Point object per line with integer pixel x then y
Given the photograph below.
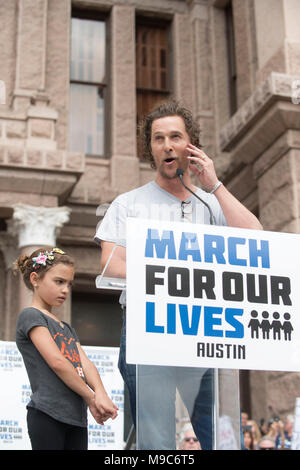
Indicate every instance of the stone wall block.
{"type": "Point", "coordinates": [279, 176]}
{"type": "Point", "coordinates": [75, 161]}
{"type": "Point", "coordinates": [34, 158]}
{"type": "Point", "coordinates": [2, 154]}
{"type": "Point", "coordinates": [16, 129]}
{"type": "Point", "coordinates": [15, 156]}
{"type": "Point", "coordinates": [41, 128]}
{"type": "Point", "coordinates": [54, 159]}
{"type": "Point", "coordinates": [279, 211]}
{"type": "Point", "coordinates": [294, 58]}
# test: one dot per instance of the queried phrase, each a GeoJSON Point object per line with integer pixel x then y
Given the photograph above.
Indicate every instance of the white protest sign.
{"type": "Point", "coordinates": [226, 435]}
{"type": "Point", "coordinates": [15, 393]}
{"type": "Point", "coordinates": [210, 296]}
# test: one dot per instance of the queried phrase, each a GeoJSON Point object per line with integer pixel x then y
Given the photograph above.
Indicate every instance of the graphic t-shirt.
{"type": "Point", "coordinates": [49, 393]}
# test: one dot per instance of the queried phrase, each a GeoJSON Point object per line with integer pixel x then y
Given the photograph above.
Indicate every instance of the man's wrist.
{"type": "Point", "coordinates": [216, 186]}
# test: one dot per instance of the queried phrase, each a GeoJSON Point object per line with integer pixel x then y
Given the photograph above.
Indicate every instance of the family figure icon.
{"type": "Point", "coordinates": [270, 329]}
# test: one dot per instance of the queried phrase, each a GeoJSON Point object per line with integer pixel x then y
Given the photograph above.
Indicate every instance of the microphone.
{"type": "Point", "coordinates": [212, 220]}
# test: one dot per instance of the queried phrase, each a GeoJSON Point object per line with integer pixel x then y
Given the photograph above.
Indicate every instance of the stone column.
{"type": "Point", "coordinates": [38, 227]}
{"type": "Point", "coordinates": [31, 50]}
{"type": "Point", "coordinates": [124, 163]}
{"type": "Point", "coordinates": [199, 52]}
{"type": "Point", "coordinates": [31, 119]}
{"type": "Point", "coordinates": [183, 60]}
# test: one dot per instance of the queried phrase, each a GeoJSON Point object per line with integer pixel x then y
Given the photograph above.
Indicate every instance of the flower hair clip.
{"type": "Point", "coordinates": [41, 259]}
{"type": "Point", "coordinates": [58, 250]}
{"type": "Point", "coordinates": [45, 257]}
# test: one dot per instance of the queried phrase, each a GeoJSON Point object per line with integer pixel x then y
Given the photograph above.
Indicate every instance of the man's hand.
{"type": "Point", "coordinates": [202, 166]}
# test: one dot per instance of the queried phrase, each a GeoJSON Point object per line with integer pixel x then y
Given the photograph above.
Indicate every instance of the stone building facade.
{"type": "Point", "coordinates": [234, 63]}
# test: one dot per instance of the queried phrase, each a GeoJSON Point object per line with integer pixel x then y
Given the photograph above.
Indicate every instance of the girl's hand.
{"type": "Point", "coordinates": [105, 407]}
{"type": "Point", "coordinates": [95, 413]}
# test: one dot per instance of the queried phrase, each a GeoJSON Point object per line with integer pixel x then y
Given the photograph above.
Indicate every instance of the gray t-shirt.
{"type": "Point", "coordinates": [49, 393]}
{"type": "Point", "coordinates": [153, 202]}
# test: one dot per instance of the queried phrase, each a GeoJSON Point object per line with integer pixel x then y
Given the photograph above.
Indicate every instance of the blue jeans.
{"type": "Point", "coordinates": [155, 421]}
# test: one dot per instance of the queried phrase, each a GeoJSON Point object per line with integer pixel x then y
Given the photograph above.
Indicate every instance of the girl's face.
{"type": "Point", "coordinates": [53, 289]}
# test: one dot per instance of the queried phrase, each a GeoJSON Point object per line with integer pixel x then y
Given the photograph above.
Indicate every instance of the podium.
{"type": "Point", "coordinates": [211, 400]}
{"type": "Point", "coordinates": [203, 302]}
{"type": "Point", "coordinates": [169, 396]}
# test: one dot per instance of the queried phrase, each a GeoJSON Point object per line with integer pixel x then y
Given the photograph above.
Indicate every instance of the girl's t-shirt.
{"type": "Point", "coordinates": [49, 393]}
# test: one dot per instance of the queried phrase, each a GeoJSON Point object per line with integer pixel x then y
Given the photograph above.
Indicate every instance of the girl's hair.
{"type": "Point", "coordinates": [40, 261]}
{"type": "Point", "coordinates": [169, 108]}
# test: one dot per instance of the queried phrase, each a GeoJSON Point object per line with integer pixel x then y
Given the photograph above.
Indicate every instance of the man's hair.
{"type": "Point", "coordinates": [186, 427]}
{"type": "Point", "coordinates": [169, 108]}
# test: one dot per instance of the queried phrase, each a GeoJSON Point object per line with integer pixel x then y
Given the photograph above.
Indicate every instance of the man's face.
{"type": "Point", "coordinates": [267, 445]}
{"type": "Point", "coordinates": [190, 441]}
{"type": "Point", "coordinates": [169, 140]}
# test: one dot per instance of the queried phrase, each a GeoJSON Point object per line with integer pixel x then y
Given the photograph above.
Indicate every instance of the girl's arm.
{"type": "Point", "coordinates": [44, 343]}
{"type": "Point", "coordinates": [104, 405]}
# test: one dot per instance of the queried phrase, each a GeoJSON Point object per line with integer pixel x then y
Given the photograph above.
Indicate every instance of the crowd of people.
{"type": "Point", "coordinates": [275, 434]}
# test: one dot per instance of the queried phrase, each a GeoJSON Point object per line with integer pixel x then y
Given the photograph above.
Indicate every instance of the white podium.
{"type": "Point", "coordinates": [203, 302]}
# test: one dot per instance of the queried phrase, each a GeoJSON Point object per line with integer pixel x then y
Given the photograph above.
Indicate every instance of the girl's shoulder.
{"type": "Point", "coordinates": [30, 312]}
{"type": "Point", "coordinates": [28, 318]}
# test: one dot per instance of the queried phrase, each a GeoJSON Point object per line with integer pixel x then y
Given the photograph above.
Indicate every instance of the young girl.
{"type": "Point", "coordinates": [62, 378]}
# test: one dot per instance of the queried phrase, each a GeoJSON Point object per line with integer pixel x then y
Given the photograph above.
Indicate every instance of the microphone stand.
{"type": "Point", "coordinates": [179, 173]}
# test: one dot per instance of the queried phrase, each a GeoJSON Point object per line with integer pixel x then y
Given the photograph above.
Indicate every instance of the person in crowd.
{"type": "Point", "coordinates": [275, 431]}
{"type": "Point", "coordinates": [244, 418]}
{"type": "Point", "coordinates": [263, 426]}
{"type": "Point", "coordinates": [266, 443]}
{"type": "Point", "coordinates": [188, 439]}
{"type": "Point", "coordinates": [171, 144]}
{"type": "Point", "coordinates": [248, 437]}
{"type": "Point", "coordinates": [256, 434]}
{"type": "Point", "coordinates": [285, 441]}
{"type": "Point", "coordinates": [64, 382]}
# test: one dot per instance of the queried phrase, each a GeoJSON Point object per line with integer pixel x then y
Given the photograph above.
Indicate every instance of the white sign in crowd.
{"type": "Point", "coordinates": [15, 394]}
{"type": "Point", "coordinates": [210, 296]}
